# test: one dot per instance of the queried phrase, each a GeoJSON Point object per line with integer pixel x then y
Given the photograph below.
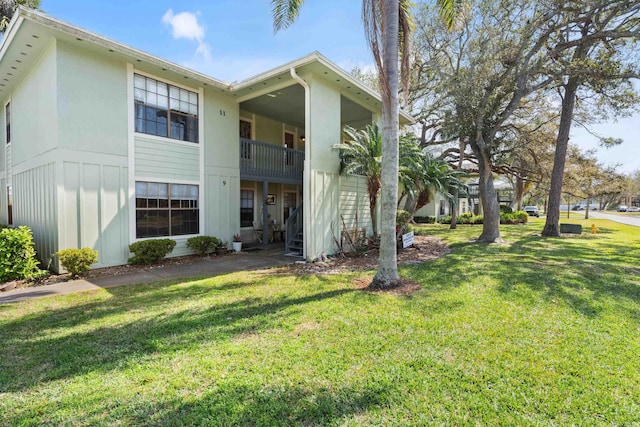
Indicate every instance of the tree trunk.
{"type": "Point", "coordinates": [517, 205]}
{"type": "Point", "coordinates": [586, 211]}
{"type": "Point", "coordinates": [488, 197]}
{"type": "Point", "coordinates": [456, 194]}
{"type": "Point", "coordinates": [555, 192]}
{"type": "Point", "coordinates": [387, 273]}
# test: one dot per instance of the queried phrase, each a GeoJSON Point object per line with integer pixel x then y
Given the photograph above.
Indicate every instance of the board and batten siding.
{"type": "Point", "coordinates": [354, 203]}
{"type": "Point", "coordinates": [35, 205]}
{"type": "Point", "coordinates": [325, 217]}
{"type": "Point", "coordinates": [94, 210]}
{"type": "Point", "coordinates": [166, 160]}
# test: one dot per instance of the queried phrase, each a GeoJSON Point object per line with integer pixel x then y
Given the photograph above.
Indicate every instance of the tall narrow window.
{"type": "Point", "coordinates": [7, 120]}
{"type": "Point", "coordinates": [166, 209]}
{"type": "Point", "coordinates": [165, 110]}
{"type": "Point", "coordinates": [246, 208]}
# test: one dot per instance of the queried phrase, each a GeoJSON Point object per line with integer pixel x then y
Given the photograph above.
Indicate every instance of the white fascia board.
{"type": "Point", "coordinates": [123, 49]}
{"type": "Point", "coordinates": [307, 60]}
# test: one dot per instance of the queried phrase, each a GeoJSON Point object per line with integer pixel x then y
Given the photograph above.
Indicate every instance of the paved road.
{"type": "Point", "coordinates": [629, 220]}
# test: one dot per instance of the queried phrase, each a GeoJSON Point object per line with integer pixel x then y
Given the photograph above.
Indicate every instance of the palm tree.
{"type": "Point", "coordinates": [8, 8]}
{"type": "Point", "coordinates": [361, 154]}
{"type": "Point", "coordinates": [387, 28]}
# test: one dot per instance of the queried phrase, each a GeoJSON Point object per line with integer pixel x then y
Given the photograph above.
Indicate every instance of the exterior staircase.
{"type": "Point", "coordinates": [294, 245]}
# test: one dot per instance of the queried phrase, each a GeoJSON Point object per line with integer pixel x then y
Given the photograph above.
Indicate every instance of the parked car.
{"type": "Point", "coordinates": [622, 208]}
{"type": "Point", "coordinates": [633, 209]}
{"type": "Point", "coordinates": [532, 211]}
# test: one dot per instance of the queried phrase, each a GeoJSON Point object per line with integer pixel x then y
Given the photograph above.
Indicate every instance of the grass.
{"type": "Point", "coordinates": [533, 332]}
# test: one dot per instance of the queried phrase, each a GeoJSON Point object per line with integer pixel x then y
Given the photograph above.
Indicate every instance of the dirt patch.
{"type": "Point", "coordinates": [426, 248]}
{"type": "Point", "coordinates": [118, 270]}
{"type": "Point", "coordinates": [399, 287]}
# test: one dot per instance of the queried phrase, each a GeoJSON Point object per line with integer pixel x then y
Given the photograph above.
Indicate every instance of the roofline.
{"type": "Point", "coordinates": [309, 59]}
{"type": "Point", "coordinates": [72, 30]}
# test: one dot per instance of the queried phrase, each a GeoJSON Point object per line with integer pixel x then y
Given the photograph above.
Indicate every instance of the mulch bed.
{"type": "Point", "coordinates": [426, 248]}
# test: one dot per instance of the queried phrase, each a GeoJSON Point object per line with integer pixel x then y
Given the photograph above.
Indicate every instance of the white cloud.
{"type": "Point", "coordinates": [185, 25]}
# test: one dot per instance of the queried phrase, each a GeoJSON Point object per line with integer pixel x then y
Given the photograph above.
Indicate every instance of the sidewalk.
{"type": "Point", "coordinates": [206, 267]}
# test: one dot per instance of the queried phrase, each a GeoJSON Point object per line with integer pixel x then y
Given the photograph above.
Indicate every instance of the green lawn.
{"type": "Point", "coordinates": [533, 332]}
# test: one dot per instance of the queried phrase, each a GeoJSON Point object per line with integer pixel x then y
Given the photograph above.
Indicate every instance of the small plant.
{"type": "Point", "coordinates": [237, 237]}
{"type": "Point", "coordinates": [202, 244]}
{"type": "Point", "coordinates": [402, 219]}
{"type": "Point", "coordinates": [77, 261]}
{"type": "Point", "coordinates": [424, 219]}
{"type": "Point", "coordinates": [150, 251]}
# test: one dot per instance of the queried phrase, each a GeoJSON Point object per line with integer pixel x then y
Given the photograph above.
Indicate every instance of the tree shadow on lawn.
{"type": "Point", "coordinates": [554, 269]}
{"type": "Point", "coordinates": [31, 359]}
{"type": "Point", "coordinates": [584, 276]}
{"type": "Point", "coordinates": [225, 403]}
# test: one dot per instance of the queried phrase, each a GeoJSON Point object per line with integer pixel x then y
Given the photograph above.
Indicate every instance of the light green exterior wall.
{"type": "Point", "coordinates": [33, 159]}
{"type": "Point", "coordinates": [166, 160]}
{"type": "Point", "coordinates": [29, 141]}
{"type": "Point", "coordinates": [354, 203]}
{"type": "Point", "coordinates": [325, 166]}
{"type": "Point", "coordinates": [221, 166]}
{"type": "Point", "coordinates": [92, 99]}
{"type": "Point", "coordinates": [92, 154]}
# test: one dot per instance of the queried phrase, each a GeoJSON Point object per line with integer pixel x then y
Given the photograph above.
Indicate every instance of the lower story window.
{"type": "Point", "coordinates": [166, 209]}
{"type": "Point", "coordinates": [246, 208]}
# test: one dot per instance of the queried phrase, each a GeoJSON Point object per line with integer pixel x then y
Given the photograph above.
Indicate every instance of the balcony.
{"type": "Point", "coordinates": [260, 161]}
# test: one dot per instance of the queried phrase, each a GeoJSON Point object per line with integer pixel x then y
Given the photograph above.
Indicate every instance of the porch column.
{"type": "Point", "coordinates": [265, 214]}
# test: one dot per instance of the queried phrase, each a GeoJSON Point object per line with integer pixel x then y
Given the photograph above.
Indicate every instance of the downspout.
{"type": "Point", "coordinates": [306, 177]}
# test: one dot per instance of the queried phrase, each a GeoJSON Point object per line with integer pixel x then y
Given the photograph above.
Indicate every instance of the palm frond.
{"type": "Point", "coordinates": [284, 13]}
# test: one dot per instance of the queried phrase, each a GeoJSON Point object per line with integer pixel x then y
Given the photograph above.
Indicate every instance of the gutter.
{"type": "Point", "coordinates": [306, 178]}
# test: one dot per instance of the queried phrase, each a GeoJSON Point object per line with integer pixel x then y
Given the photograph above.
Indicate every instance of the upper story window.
{"type": "Point", "coordinates": [165, 110]}
{"type": "Point", "coordinates": [7, 120]}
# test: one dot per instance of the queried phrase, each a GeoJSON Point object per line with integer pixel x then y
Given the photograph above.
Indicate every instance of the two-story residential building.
{"type": "Point", "coordinates": [106, 145]}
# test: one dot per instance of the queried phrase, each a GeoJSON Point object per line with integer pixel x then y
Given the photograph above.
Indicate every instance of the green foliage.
{"type": "Point", "coordinates": [150, 251]}
{"type": "Point", "coordinates": [203, 244]}
{"type": "Point", "coordinates": [402, 221]}
{"type": "Point", "coordinates": [17, 254]}
{"type": "Point", "coordinates": [505, 209]}
{"type": "Point", "coordinates": [518, 217]}
{"type": "Point", "coordinates": [77, 261]}
{"type": "Point", "coordinates": [8, 8]}
{"type": "Point", "coordinates": [425, 219]}
{"type": "Point", "coordinates": [516, 317]}
{"type": "Point", "coordinates": [446, 220]}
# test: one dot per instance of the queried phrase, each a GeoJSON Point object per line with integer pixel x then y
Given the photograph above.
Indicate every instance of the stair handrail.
{"type": "Point", "coordinates": [294, 226]}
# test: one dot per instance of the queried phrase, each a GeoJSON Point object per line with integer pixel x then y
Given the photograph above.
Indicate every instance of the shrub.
{"type": "Point", "coordinates": [402, 219]}
{"type": "Point", "coordinates": [77, 261]}
{"type": "Point", "coordinates": [505, 209]}
{"type": "Point", "coordinates": [477, 219]}
{"type": "Point", "coordinates": [17, 254]}
{"type": "Point", "coordinates": [203, 244]}
{"type": "Point", "coordinates": [521, 216]}
{"type": "Point", "coordinates": [445, 220]}
{"type": "Point", "coordinates": [150, 251]}
{"type": "Point", "coordinates": [425, 219]}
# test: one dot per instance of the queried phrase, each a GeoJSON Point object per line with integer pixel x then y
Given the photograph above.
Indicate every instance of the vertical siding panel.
{"type": "Point", "coordinates": [111, 239]}
{"type": "Point", "coordinates": [71, 205]}
{"type": "Point", "coordinates": [90, 216]}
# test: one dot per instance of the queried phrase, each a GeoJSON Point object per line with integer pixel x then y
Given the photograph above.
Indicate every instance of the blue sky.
{"type": "Point", "coordinates": [234, 39]}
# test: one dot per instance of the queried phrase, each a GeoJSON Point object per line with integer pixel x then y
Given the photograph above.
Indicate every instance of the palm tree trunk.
{"type": "Point", "coordinates": [387, 272]}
